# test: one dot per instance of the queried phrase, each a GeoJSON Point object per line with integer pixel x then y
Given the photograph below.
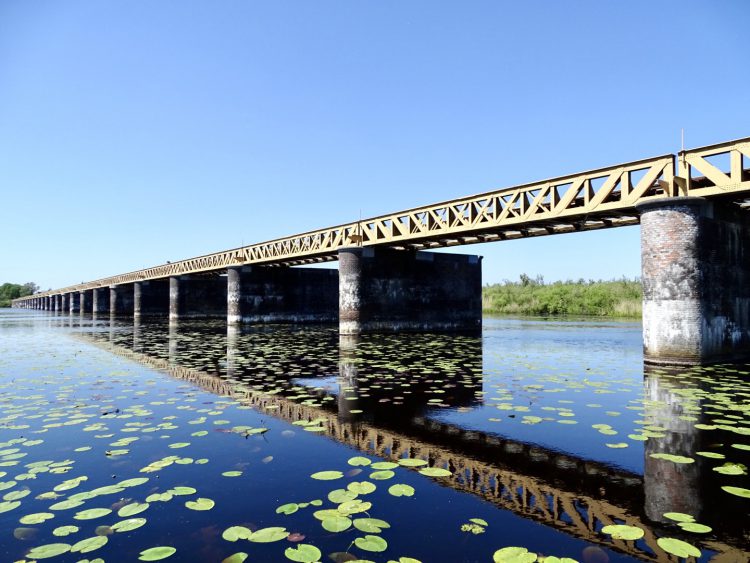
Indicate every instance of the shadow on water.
{"type": "Point", "coordinates": [384, 396]}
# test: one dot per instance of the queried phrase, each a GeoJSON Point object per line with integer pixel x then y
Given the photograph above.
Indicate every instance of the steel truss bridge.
{"type": "Point", "coordinates": [596, 199]}
{"type": "Point", "coordinates": [545, 500]}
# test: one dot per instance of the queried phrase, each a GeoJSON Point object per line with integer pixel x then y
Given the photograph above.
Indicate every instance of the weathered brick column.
{"type": "Point", "coordinates": [386, 290]}
{"type": "Point", "coordinates": [695, 269]}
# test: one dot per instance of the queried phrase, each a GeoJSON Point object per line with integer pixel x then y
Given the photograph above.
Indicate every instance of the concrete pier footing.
{"type": "Point", "coordinates": [262, 294]}
{"type": "Point", "coordinates": [696, 281]}
{"type": "Point", "coordinates": [397, 290]}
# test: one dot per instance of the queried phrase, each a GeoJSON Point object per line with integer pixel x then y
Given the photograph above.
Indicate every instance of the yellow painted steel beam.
{"type": "Point", "coordinates": [596, 199]}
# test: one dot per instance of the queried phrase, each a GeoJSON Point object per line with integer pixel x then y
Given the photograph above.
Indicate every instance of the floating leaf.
{"type": "Point", "coordinates": [401, 490]}
{"type": "Point", "coordinates": [479, 521]}
{"type": "Point", "coordinates": [622, 532]}
{"type": "Point", "coordinates": [739, 491]}
{"type": "Point", "coordinates": [132, 509]}
{"type": "Point", "coordinates": [49, 550]}
{"type": "Point", "coordinates": [679, 517]}
{"type": "Point", "coordinates": [327, 475]}
{"type": "Point", "coordinates": [7, 506]}
{"type": "Point", "coordinates": [513, 555]}
{"type": "Point", "coordinates": [63, 531]}
{"type": "Point", "coordinates": [92, 513]}
{"type": "Point", "coordinates": [678, 547]}
{"type": "Point", "coordinates": [382, 475]}
{"type": "Point", "coordinates": [238, 557]}
{"type": "Point", "coordinates": [128, 525]}
{"type": "Point", "coordinates": [617, 445]}
{"type": "Point", "coordinates": [673, 458]}
{"type": "Point", "coordinates": [371, 543]}
{"type": "Point", "coordinates": [712, 455]}
{"type": "Point", "coordinates": [66, 504]}
{"type": "Point", "coordinates": [695, 527]}
{"type": "Point", "coordinates": [235, 533]}
{"type": "Point", "coordinates": [371, 525]}
{"type": "Point", "coordinates": [232, 473]}
{"type": "Point", "coordinates": [287, 509]}
{"type": "Point", "coordinates": [435, 472]}
{"type": "Point", "coordinates": [336, 523]}
{"type": "Point", "coordinates": [267, 535]}
{"type": "Point", "coordinates": [361, 487]}
{"type": "Point", "coordinates": [384, 465]}
{"type": "Point", "coordinates": [36, 518]}
{"type": "Point", "coordinates": [731, 469]}
{"type": "Point", "coordinates": [200, 504]}
{"type": "Point", "coordinates": [157, 553]}
{"type": "Point", "coordinates": [182, 491]}
{"type": "Point", "coordinates": [411, 462]}
{"type": "Point", "coordinates": [303, 553]}
{"type": "Point", "coordinates": [359, 461]}
{"type": "Point", "coordinates": [341, 495]}
{"type": "Point", "coordinates": [89, 544]}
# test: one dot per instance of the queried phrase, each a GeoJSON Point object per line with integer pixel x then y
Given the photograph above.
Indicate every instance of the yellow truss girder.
{"type": "Point", "coordinates": [595, 199]}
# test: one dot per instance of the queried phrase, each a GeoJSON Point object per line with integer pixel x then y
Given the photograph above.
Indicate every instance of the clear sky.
{"type": "Point", "coordinates": [132, 133]}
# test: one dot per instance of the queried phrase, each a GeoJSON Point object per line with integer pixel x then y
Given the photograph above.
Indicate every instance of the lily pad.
{"type": "Point", "coordinates": [678, 547]}
{"type": "Point", "coordinates": [695, 527]}
{"type": "Point", "coordinates": [235, 533]}
{"type": "Point", "coordinates": [361, 487]}
{"type": "Point", "coordinates": [382, 475]}
{"type": "Point", "coordinates": [287, 509]}
{"type": "Point", "coordinates": [132, 509]}
{"type": "Point", "coordinates": [371, 543]}
{"type": "Point", "coordinates": [157, 553]}
{"type": "Point", "coordinates": [49, 550]}
{"type": "Point", "coordinates": [384, 465]}
{"type": "Point", "coordinates": [371, 525]}
{"type": "Point", "coordinates": [731, 469]}
{"type": "Point", "coordinates": [738, 491]}
{"type": "Point", "coordinates": [200, 504]}
{"type": "Point", "coordinates": [268, 535]}
{"type": "Point", "coordinates": [401, 490]}
{"type": "Point", "coordinates": [36, 518]}
{"type": "Point", "coordinates": [336, 523]}
{"type": "Point", "coordinates": [238, 557]}
{"type": "Point", "coordinates": [303, 553]}
{"type": "Point", "coordinates": [92, 513]}
{"type": "Point", "coordinates": [412, 462]}
{"type": "Point", "coordinates": [622, 532]}
{"type": "Point", "coordinates": [435, 472]}
{"type": "Point", "coordinates": [513, 555]}
{"type": "Point", "coordinates": [89, 544]}
{"type": "Point", "coordinates": [232, 473]}
{"type": "Point", "coordinates": [359, 461]}
{"type": "Point", "coordinates": [128, 525]}
{"type": "Point", "coordinates": [327, 475]}
{"type": "Point", "coordinates": [63, 531]}
{"type": "Point", "coordinates": [679, 517]}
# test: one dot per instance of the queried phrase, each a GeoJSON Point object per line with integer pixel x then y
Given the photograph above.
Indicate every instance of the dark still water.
{"type": "Point", "coordinates": [538, 441]}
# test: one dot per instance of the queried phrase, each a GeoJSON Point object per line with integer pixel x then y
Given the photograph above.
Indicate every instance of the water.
{"type": "Point", "coordinates": [546, 431]}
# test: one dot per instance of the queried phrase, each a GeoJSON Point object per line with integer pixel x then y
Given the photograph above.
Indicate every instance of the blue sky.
{"type": "Point", "coordinates": [132, 133]}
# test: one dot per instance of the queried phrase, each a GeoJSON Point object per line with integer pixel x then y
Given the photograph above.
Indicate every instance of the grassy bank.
{"type": "Point", "coordinates": [534, 297]}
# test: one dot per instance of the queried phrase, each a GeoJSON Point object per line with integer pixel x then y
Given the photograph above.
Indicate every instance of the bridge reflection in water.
{"type": "Point", "coordinates": [302, 375]}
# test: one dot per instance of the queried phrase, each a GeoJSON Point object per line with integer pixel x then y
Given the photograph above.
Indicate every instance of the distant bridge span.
{"type": "Point", "coordinates": [690, 206]}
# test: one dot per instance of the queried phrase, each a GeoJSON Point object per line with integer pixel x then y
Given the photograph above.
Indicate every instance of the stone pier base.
{"type": "Point", "coordinates": [397, 290]}
{"type": "Point", "coordinates": [74, 301]}
{"type": "Point", "coordinates": [100, 301]}
{"type": "Point", "coordinates": [696, 281]}
{"type": "Point", "coordinates": [262, 294]}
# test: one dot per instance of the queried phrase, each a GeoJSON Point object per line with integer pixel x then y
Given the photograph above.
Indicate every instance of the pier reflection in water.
{"type": "Point", "coordinates": [386, 395]}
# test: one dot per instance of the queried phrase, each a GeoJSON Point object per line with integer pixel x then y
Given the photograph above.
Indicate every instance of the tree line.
{"type": "Point", "coordinates": [10, 291]}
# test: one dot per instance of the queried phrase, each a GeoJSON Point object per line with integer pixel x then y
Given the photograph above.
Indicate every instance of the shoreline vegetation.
{"type": "Point", "coordinates": [532, 297]}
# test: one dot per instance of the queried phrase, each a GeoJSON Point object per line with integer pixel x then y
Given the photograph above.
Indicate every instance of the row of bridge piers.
{"type": "Point", "coordinates": [695, 274]}
{"type": "Point", "coordinates": [374, 289]}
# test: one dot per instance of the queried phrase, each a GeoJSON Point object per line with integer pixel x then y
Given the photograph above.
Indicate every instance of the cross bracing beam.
{"type": "Point", "coordinates": [596, 199]}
